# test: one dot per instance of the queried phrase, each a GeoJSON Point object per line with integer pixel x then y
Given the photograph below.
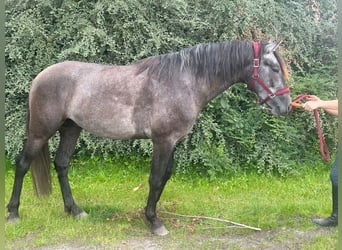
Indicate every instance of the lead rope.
{"type": "Point", "coordinates": [322, 145]}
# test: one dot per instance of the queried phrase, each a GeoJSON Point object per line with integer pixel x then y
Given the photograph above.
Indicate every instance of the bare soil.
{"type": "Point", "coordinates": [279, 239]}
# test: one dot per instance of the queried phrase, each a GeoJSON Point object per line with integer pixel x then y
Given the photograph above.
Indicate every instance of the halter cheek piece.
{"type": "Point", "coordinates": [256, 78]}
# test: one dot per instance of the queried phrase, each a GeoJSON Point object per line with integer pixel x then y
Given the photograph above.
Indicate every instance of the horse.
{"type": "Point", "coordinates": [157, 98]}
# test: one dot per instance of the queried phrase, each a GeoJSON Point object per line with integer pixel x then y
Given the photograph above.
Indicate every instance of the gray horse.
{"type": "Point", "coordinates": [156, 98]}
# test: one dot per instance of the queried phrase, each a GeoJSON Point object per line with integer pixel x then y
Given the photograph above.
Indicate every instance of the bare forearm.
{"type": "Point", "coordinates": [332, 111]}
{"type": "Point", "coordinates": [330, 106]}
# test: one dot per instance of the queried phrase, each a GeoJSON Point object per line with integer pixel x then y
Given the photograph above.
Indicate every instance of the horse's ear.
{"type": "Point", "coordinates": [277, 45]}
{"type": "Point", "coordinates": [271, 46]}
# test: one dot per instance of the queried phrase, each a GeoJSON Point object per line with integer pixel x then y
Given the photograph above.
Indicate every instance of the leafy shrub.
{"type": "Point", "coordinates": [232, 133]}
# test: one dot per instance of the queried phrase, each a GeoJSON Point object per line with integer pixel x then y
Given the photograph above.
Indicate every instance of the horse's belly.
{"type": "Point", "coordinates": [115, 126]}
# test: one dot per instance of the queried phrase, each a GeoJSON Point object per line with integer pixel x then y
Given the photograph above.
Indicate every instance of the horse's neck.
{"type": "Point", "coordinates": [211, 89]}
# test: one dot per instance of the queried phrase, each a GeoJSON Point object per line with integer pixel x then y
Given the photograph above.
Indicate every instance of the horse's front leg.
{"type": "Point", "coordinates": [161, 170]}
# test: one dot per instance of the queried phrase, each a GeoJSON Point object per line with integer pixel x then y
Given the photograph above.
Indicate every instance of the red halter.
{"type": "Point", "coordinates": [256, 78]}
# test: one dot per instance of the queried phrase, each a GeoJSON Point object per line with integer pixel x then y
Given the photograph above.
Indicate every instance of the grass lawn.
{"type": "Point", "coordinates": [114, 194]}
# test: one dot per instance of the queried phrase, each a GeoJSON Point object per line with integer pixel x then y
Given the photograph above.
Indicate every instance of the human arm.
{"type": "Point", "coordinates": [331, 106]}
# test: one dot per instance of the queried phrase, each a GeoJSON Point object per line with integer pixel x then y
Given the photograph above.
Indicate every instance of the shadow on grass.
{"type": "Point", "coordinates": [102, 213]}
{"type": "Point", "coordinates": [127, 222]}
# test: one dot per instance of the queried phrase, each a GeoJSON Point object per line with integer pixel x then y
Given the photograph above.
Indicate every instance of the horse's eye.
{"type": "Point", "coordinates": [275, 69]}
{"type": "Point", "coordinates": [272, 65]}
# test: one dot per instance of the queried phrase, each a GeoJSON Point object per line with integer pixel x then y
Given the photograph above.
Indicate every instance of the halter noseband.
{"type": "Point", "coordinates": [256, 78]}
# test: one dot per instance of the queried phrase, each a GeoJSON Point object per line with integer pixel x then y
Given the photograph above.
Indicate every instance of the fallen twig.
{"type": "Point", "coordinates": [224, 227]}
{"type": "Point", "coordinates": [212, 218]}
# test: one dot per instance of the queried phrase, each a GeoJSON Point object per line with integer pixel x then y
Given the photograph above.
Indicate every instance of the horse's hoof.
{"type": "Point", "coordinates": [81, 215]}
{"type": "Point", "coordinates": [160, 231]}
{"type": "Point", "coordinates": [12, 219]}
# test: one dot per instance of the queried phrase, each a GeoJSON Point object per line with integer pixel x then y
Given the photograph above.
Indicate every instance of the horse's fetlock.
{"type": "Point", "coordinates": [11, 207]}
{"type": "Point", "coordinates": [67, 210]}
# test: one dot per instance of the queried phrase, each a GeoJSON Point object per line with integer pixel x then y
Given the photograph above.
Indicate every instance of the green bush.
{"type": "Point", "coordinates": [232, 133]}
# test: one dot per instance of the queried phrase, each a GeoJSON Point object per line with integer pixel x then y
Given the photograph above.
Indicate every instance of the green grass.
{"type": "Point", "coordinates": [114, 194]}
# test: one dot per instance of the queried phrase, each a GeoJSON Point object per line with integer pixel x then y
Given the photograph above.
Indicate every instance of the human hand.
{"type": "Point", "coordinates": [311, 105]}
{"type": "Point", "coordinates": [313, 98]}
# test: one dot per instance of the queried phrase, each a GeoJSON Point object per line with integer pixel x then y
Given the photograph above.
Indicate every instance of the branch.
{"type": "Point", "coordinates": [215, 219]}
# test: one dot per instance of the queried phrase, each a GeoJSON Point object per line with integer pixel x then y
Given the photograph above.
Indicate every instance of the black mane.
{"type": "Point", "coordinates": [210, 61]}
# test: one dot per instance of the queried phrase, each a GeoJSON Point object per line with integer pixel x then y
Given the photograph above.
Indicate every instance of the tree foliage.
{"type": "Point", "coordinates": [232, 133]}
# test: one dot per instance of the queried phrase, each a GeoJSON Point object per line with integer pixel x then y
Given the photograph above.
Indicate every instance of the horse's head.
{"type": "Point", "coordinates": [269, 78]}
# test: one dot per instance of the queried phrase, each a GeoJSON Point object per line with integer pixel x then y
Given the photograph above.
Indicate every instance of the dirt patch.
{"type": "Point", "coordinates": [279, 239]}
{"type": "Point", "coordinates": [272, 239]}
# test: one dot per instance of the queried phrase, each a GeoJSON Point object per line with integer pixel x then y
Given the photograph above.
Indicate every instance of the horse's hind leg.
{"type": "Point", "coordinates": [161, 170]}
{"type": "Point", "coordinates": [23, 161]}
{"type": "Point", "coordinates": [69, 133]}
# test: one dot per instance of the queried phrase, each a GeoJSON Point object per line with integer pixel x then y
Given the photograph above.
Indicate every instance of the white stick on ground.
{"type": "Point", "coordinates": [211, 218]}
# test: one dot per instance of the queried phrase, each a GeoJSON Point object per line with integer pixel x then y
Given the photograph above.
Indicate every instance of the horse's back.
{"type": "Point", "coordinates": [118, 102]}
{"type": "Point", "coordinates": [103, 99]}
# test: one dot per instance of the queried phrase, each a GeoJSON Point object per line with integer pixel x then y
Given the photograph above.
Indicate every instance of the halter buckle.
{"type": "Point", "coordinates": [256, 63]}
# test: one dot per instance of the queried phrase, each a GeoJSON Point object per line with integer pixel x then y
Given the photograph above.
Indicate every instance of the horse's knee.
{"type": "Point", "coordinates": [168, 174]}
{"type": "Point", "coordinates": [158, 181]}
{"type": "Point", "coordinates": [155, 182]}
